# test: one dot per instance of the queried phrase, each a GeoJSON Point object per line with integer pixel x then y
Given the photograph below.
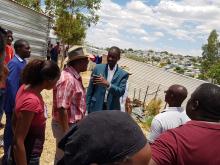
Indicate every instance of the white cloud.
{"type": "Point", "coordinates": [159, 34]}
{"type": "Point", "coordinates": [137, 23]}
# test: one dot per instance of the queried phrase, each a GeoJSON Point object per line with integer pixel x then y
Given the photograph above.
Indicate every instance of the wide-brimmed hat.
{"type": "Point", "coordinates": [76, 52]}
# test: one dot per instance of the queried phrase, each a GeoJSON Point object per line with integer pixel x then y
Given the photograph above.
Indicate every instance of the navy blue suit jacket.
{"type": "Point", "coordinates": [96, 94]}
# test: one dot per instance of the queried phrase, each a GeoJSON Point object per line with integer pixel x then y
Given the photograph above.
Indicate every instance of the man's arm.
{"type": "Point", "coordinates": [119, 90]}
{"type": "Point", "coordinates": [64, 98]}
{"type": "Point", "coordinates": [13, 80]}
{"type": "Point", "coordinates": [63, 119]}
{"type": "Point", "coordinates": [90, 90]}
{"type": "Point", "coordinates": [155, 130]}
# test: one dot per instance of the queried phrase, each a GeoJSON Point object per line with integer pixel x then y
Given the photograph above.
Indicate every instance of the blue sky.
{"type": "Point", "coordinates": [180, 26]}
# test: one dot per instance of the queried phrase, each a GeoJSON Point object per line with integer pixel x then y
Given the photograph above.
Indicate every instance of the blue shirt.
{"type": "Point", "coordinates": [13, 82]}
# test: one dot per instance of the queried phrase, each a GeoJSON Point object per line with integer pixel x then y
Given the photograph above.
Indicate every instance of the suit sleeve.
{"type": "Point", "coordinates": [90, 90]}
{"type": "Point", "coordinates": [13, 81]}
{"type": "Point", "coordinates": [120, 89]}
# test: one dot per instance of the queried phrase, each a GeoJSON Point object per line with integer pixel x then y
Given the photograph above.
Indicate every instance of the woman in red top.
{"type": "Point", "coordinates": [30, 115]}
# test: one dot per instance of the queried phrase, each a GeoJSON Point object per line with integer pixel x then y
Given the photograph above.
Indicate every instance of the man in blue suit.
{"type": "Point", "coordinates": [107, 84]}
{"type": "Point", "coordinates": [13, 82]}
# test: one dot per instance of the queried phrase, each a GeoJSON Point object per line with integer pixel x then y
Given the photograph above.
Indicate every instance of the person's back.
{"type": "Point", "coordinates": [196, 142]}
{"type": "Point", "coordinates": [171, 117]}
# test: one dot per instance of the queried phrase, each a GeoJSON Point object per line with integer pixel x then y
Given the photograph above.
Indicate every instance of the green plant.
{"type": "Point", "coordinates": [153, 107]}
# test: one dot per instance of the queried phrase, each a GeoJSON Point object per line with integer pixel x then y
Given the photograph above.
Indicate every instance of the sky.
{"type": "Point", "coordinates": [176, 26]}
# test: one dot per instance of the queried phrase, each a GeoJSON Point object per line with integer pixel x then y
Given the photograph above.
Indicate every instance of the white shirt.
{"type": "Point", "coordinates": [19, 58]}
{"type": "Point", "coordinates": [109, 79]}
{"type": "Point", "coordinates": [123, 98]}
{"type": "Point", "coordinates": [171, 117]}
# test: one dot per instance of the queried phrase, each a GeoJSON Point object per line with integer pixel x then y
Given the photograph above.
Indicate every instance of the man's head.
{"type": "Point", "coordinates": [58, 43]}
{"type": "Point", "coordinates": [115, 139]}
{"type": "Point", "coordinates": [113, 56]}
{"type": "Point", "coordinates": [9, 37]}
{"type": "Point", "coordinates": [77, 58]}
{"type": "Point", "coordinates": [22, 48]}
{"type": "Point", "coordinates": [80, 64]}
{"type": "Point", "coordinates": [204, 103]}
{"type": "Point", "coordinates": [175, 95]}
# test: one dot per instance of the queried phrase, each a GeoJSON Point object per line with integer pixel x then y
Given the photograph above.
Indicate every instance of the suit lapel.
{"type": "Point", "coordinates": [117, 73]}
{"type": "Point", "coordinates": [106, 72]}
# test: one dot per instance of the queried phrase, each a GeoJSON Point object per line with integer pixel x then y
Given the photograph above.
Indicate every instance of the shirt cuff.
{"type": "Point", "coordinates": [108, 88]}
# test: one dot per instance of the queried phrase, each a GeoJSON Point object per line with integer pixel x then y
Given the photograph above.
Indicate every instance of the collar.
{"type": "Point", "coordinates": [179, 109]}
{"type": "Point", "coordinates": [114, 69]}
{"type": "Point", "coordinates": [73, 72]}
{"type": "Point", "coordinates": [19, 58]}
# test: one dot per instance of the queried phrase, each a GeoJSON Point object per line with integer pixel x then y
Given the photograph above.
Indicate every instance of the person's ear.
{"type": "Point", "coordinates": [195, 105]}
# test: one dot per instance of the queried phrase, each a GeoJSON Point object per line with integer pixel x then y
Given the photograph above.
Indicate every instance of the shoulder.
{"type": "Point", "coordinates": [65, 78]}
{"type": "Point", "coordinates": [123, 72]}
{"type": "Point", "coordinates": [161, 115]}
{"type": "Point", "coordinates": [26, 100]}
{"type": "Point", "coordinates": [100, 66]}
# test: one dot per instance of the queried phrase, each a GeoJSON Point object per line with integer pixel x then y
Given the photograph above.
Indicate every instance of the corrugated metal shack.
{"type": "Point", "coordinates": [144, 75]}
{"type": "Point", "coordinates": [26, 24]}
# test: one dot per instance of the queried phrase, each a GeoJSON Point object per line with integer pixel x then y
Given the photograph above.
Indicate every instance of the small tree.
{"type": "Point", "coordinates": [210, 54]}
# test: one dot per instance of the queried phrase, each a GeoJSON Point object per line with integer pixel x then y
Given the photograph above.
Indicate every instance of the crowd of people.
{"type": "Point", "coordinates": [90, 127]}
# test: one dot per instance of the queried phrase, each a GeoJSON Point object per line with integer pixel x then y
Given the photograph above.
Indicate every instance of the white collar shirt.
{"type": "Point", "coordinates": [109, 79]}
{"type": "Point", "coordinates": [169, 118]}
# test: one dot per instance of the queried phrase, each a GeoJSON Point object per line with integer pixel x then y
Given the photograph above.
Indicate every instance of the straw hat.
{"type": "Point", "coordinates": [75, 53]}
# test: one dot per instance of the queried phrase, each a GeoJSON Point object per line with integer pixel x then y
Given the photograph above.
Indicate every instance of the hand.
{"type": "Point", "coordinates": [100, 80]}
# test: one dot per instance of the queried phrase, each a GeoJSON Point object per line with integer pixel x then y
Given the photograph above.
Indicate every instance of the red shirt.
{"type": "Point", "coordinates": [27, 100]}
{"type": "Point", "coordinates": [195, 143]}
{"type": "Point", "coordinates": [9, 51]}
{"type": "Point", "coordinates": [70, 94]}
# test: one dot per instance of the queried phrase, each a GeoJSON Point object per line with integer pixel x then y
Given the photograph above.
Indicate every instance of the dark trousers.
{"type": "Point", "coordinates": [105, 106]}
{"type": "Point", "coordinates": [8, 134]}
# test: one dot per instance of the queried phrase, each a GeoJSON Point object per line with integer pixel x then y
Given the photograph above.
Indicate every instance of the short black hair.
{"type": "Point", "coordinates": [208, 97]}
{"type": "Point", "coordinates": [3, 34]}
{"type": "Point", "coordinates": [115, 49]}
{"type": "Point", "coordinates": [37, 71]}
{"type": "Point", "coordinates": [9, 32]}
{"type": "Point", "coordinates": [19, 44]}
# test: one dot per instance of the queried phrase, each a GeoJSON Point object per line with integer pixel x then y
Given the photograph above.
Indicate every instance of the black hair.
{"type": "Point", "coordinates": [38, 71]}
{"type": "Point", "coordinates": [3, 34]}
{"type": "Point", "coordinates": [9, 32]}
{"type": "Point", "coordinates": [115, 49]}
{"type": "Point", "coordinates": [19, 44]}
{"type": "Point", "coordinates": [208, 96]}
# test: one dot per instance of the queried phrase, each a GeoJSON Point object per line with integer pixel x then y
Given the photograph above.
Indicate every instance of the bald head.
{"type": "Point", "coordinates": [175, 95]}
{"type": "Point", "coordinates": [204, 103]}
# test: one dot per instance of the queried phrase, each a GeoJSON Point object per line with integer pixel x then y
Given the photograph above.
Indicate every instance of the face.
{"type": "Point", "coordinates": [192, 107]}
{"type": "Point", "coordinates": [112, 59]}
{"type": "Point", "coordinates": [9, 38]}
{"type": "Point", "coordinates": [25, 51]}
{"type": "Point", "coordinates": [84, 64]}
{"type": "Point", "coordinates": [168, 95]}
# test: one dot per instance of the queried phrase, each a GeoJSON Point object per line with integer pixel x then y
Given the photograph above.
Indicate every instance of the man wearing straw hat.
{"type": "Point", "coordinates": [69, 97]}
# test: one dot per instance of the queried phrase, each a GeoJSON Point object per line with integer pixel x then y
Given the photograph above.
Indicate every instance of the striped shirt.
{"type": "Point", "coordinates": [69, 94]}
{"type": "Point", "coordinates": [171, 117]}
